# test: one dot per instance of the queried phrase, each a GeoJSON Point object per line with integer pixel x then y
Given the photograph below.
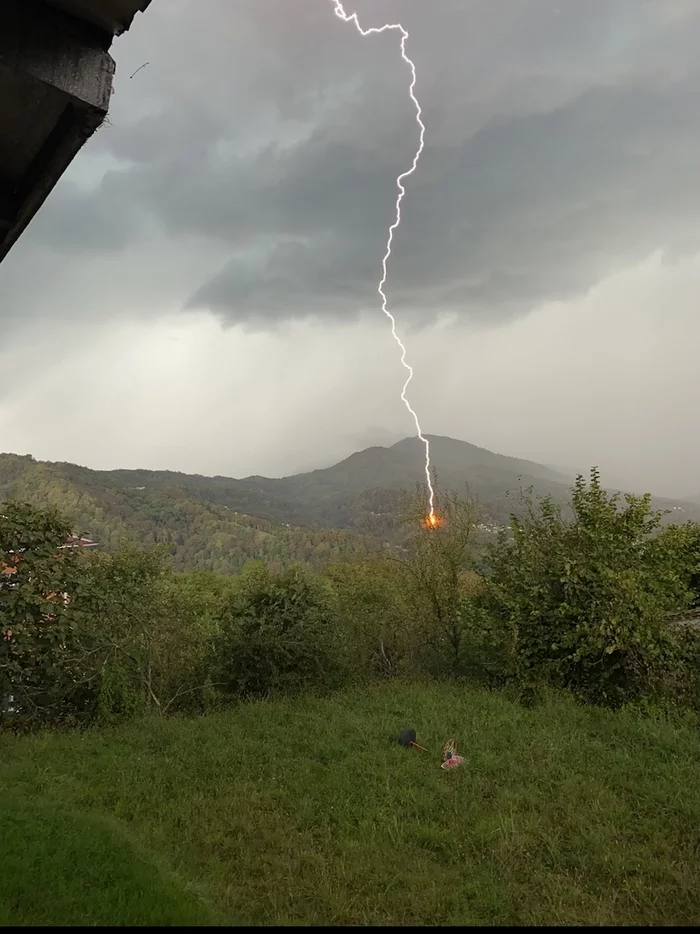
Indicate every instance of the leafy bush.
{"type": "Point", "coordinates": [419, 614]}
{"type": "Point", "coordinates": [586, 600]}
{"type": "Point", "coordinates": [119, 695]}
{"type": "Point", "coordinates": [278, 632]}
{"type": "Point", "coordinates": [376, 615]}
{"type": "Point", "coordinates": [149, 631]}
{"type": "Point", "coordinates": [692, 541]}
{"type": "Point", "coordinates": [441, 584]}
{"type": "Point", "coordinates": [581, 603]}
{"type": "Point", "coordinates": [486, 648]}
{"type": "Point", "coordinates": [40, 668]}
{"type": "Point", "coordinates": [98, 635]}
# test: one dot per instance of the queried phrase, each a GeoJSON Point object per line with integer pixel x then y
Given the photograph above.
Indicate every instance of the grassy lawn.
{"type": "Point", "coordinates": [62, 867]}
{"type": "Point", "coordinates": [304, 812]}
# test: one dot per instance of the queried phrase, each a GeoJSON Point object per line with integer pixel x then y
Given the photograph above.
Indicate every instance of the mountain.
{"type": "Point", "coordinates": [612, 481]}
{"type": "Point", "coordinates": [401, 465]}
{"type": "Point", "coordinates": [352, 507]}
{"type": "Point", "coordinates": [187, 513]}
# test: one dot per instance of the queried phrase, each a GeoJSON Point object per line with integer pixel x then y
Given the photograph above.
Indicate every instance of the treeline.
{"type": "Point", "coordinates": [217, 523]}
{"type": "Point", "coordinates": [194, 532]}
{"type": "Point", "coordinates": [598, 602]}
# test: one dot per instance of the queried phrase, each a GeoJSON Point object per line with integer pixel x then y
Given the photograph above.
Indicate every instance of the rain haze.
{"type": "Point", "coordinates": [199, 291]}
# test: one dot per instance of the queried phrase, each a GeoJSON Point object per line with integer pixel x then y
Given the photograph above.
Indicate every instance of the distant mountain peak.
{"type": "Point", "coordinates": [220, 522]}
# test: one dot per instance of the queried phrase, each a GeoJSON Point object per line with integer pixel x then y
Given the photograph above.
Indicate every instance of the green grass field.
{"type": "Point", "coordinates": [304, 812]}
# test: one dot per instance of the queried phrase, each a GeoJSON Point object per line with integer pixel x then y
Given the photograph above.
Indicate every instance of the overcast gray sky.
{"type": "Point", "coordinates": [198, 293]}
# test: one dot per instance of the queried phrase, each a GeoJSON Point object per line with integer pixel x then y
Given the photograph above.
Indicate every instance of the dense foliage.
{"type": "Point", "coordinates": [352, 509]}
{"type": "Point", "coordinates": [587, 600]}
{"type": "Point", "coordinates": [38, 579]}
{"type": "Point", "coordinates": [213, 524]}
{"type": "Point", "coordinates": [277, 632]}
{"type": "Point", "coordinates": [597, 601]}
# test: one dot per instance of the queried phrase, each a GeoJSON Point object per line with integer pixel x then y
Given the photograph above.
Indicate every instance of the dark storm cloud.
{"type": "Point", "coordinates": [532, 208]}
{"type": "Point", "coordinates": [563, 142]}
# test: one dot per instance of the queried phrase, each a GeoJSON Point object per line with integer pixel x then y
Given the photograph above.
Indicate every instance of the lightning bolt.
{"type": "Point", "coordinates": [376, 30]}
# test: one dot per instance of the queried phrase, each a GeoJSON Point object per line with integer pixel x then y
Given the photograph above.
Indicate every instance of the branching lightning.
{"type": "Point", "coordinates": [432, 519]}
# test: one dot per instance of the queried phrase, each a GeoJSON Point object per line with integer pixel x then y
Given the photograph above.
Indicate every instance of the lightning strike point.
{"type": "Point", "coordinates": [432, 520]}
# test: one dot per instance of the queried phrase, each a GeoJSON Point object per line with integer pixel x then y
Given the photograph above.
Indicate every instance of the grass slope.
{"type": "Point", "coordinates": [305, 811]}
{"type": "Point", "coordinates": [63, 867]}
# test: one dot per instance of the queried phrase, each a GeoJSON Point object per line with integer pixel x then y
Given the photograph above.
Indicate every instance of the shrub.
{"type": "Point", "coordinates": [419, 614]}
{"type": "Point", "coordinates": [39, 665]}
{"type": "Point", "coordinates": [486, 648]}
{"type": "Point", "coordinates": [376, 616]}
{"type": "Point", "coordinates": [441, 585]}
{"type": "Point", "coordinates": [119, 695]}
{"type": "Point", "coordinates": [587, 599]}
{"type": "Point", "coordinates": [692, 542]}
{"type": "Point", "coordinates": [149, 631]}
{"type": "Point", "coordinates": [278, 632]}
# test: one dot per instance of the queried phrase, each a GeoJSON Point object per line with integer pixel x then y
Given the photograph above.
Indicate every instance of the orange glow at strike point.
{"type": "Point", "coordinates": [432, 521]}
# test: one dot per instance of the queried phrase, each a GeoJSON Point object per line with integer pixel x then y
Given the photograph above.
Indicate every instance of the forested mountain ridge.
{"type": "Point", "coordinates": [353, 507]}
{"type": "Point", "coordinates": [199, 532]}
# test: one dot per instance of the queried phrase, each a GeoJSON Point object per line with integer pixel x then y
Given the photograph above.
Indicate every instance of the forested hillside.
{"type": "Point", "coordinates": [217, 523]}
{"type": "Point", "coordinates": [199, 530]}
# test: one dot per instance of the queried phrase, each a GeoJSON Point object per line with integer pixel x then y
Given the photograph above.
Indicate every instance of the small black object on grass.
{"type": "Point", "coordinates": [407, 737]}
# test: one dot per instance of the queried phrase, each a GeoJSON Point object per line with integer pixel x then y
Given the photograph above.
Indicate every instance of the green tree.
{"type": "Point", "coordinates": [587, 599]}
{"type": "Point", "coordinates": [38, 579]}
{"type": "Point", "coordinates": [439, 576]}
